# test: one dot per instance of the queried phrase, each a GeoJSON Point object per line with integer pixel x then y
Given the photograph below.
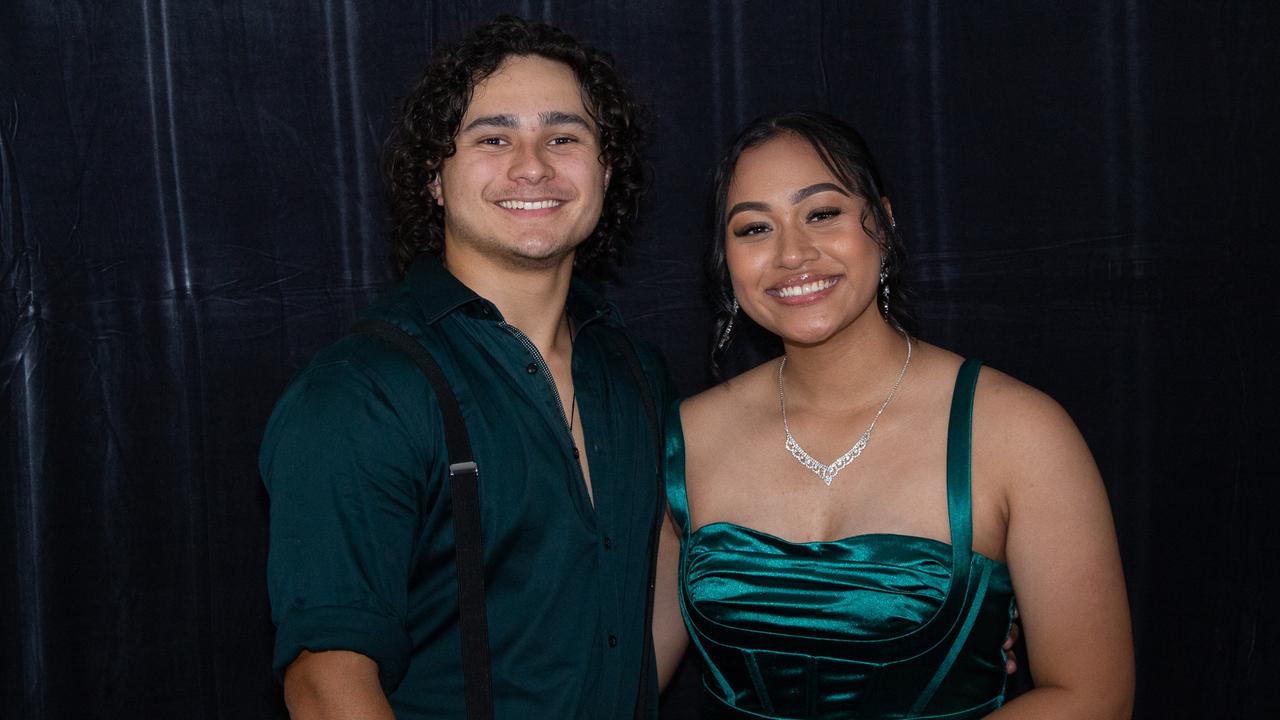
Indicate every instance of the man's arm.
{"type": "Point", "coordinates": [342, 468]}
{"type": "Point", "coordinates": [334, 685]}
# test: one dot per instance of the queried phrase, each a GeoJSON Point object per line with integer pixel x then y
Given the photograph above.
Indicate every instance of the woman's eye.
{"type": "Point", "coordinates": [823, 214]}
{"type": "Point", "coordinates": [752, 229]}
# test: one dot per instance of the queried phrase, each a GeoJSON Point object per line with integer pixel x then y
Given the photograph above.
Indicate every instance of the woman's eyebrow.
{"type": "Point", "coordinates": [745, 206]}
{"type": "Point", "coordinates": [803, 193]}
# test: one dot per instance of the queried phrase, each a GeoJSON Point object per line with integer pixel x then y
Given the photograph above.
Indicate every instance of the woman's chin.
{"type": "Point", "coordinates": [806, 337]}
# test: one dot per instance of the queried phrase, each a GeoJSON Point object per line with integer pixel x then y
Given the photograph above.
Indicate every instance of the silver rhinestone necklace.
{"type": "Point", "coordinates": [829, 472]}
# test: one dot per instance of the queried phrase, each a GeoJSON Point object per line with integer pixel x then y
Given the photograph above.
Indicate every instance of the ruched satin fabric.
{"type": "Point", "coordinates": [871, 627]}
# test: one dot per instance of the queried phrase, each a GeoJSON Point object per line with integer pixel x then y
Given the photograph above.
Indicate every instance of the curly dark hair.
{"type": "Point", "coordinates": [423, 134]}
{"type": "Point", "coordinates": [845, 153]}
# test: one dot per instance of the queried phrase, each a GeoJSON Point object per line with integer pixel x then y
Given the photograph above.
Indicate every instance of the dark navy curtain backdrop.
{"type": "Point", "coordinates": [190, 208]}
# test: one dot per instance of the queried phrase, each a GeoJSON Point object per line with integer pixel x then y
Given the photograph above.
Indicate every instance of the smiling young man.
{"type": "Point", "coordinates": [513, 164]}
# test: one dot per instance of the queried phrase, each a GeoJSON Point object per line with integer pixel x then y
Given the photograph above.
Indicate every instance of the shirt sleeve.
{"type": "Point", "coordinates": [344, 474]}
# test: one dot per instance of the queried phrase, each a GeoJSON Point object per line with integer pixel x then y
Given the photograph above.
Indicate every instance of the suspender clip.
{"type": "Point", "coordinates": [463, 468]}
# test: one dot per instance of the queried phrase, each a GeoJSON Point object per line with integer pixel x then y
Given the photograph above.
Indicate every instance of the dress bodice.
{"type": "Point", "coordinates": [870, 626]}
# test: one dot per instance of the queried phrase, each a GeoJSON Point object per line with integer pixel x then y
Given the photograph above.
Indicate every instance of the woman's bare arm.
{"type": "Point", "coordinates": [1063, 557]}
{"type": "Point", "coordinates": [670, 638]}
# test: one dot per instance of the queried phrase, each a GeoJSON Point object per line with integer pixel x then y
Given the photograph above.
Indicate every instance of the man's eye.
{"type": "Point", "coordinates": [491, 141]}
{"type": "Point", "coordinates": [752, 229]}
{"type": "Point", "coordinates": [563, 140]}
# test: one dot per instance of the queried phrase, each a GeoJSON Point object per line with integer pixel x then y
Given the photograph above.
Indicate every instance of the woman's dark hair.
{"type": "Point", "coordinates": [847, 156]}
{"type": "Point", "coordinates": [423, 133]}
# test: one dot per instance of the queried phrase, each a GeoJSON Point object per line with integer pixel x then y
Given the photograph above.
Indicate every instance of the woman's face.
{"type": "Point", "coordinates": [801, 264]}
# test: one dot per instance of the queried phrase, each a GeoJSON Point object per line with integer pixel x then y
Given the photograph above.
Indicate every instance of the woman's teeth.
{"type": "Point", "coordinates": [805, 289]}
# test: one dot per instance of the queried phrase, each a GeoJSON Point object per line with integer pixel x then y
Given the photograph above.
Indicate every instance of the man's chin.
{"type": "Point", "coordinates": [543, 254]}
{"type": "Point", "coordinates": [527, 253]}
{"type": "Point", "coordinates": [541, 257]}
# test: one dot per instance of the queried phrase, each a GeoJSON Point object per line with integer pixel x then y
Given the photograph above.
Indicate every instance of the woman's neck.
{"type": "Point", "coordinates": [850, 369]}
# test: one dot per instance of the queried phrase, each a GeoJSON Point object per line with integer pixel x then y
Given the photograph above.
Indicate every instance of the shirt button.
{"type": "Point", "coordinates": [613, 640]}
{"type": "Point", "coordinates": [576, 455]}
{"type": "Point", "coordinates": [608, 543]}
{"type": "Point", "coordinates": [531, 368]}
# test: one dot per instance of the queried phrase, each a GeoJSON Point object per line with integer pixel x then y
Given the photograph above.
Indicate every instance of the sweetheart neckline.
{"type": "Point", "coordinates": [860, 537]}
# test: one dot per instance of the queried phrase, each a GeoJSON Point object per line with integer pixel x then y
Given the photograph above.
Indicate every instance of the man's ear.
{"type": "Point", "coordinates": [433, 187]}
{"type": "Point", "coordinates": [608, 175]}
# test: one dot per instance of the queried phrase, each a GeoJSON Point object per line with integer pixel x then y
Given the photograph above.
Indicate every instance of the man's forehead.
{"type": "Point", "coordinates": [527, 90]}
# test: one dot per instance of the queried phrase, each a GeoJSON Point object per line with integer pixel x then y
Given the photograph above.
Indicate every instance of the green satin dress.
{"type": "Point", "coordinates": [870, 626]}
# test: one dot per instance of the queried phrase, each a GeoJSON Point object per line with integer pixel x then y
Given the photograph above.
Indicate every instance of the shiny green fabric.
{"type": "Point", "coordinates": [871, 627]}
{"type": "Point", "coordinates": [362, 553]}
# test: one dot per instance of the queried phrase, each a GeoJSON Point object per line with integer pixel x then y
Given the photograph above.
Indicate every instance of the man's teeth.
{"type": "Point", "coordinates": [528, 205]}
{"type": "Point", "coordinates": [805, 289]}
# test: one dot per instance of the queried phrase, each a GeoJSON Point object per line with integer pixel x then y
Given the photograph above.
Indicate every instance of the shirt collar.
{"type": "Point", "coordinates": [439, 293]}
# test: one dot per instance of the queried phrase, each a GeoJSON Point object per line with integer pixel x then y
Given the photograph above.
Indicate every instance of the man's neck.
{"type": "Point", "coordinates": [532, 299]}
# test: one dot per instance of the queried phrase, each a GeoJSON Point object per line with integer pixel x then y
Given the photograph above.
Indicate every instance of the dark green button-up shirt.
{"type": "Point", "coordinates": [361, 546]}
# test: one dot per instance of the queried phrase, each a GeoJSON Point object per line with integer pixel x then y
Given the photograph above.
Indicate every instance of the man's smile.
{"type": "Point", "coordinates": [529, 204]}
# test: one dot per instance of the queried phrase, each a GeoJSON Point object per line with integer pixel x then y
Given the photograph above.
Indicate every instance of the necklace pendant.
{"type": "Point", "coordinates": [828, 472]}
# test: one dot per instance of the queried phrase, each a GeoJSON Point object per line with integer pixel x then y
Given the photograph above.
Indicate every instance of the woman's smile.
{"type": "Point", "coordinates": [804, 289]}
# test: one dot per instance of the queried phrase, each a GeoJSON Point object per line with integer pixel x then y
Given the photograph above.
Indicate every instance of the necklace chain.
{"type": "Point", "coordinates": [829, 472]}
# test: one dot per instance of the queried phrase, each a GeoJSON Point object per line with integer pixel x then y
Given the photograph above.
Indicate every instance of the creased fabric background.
{"type": "Point", "coordinates": [190, 208]}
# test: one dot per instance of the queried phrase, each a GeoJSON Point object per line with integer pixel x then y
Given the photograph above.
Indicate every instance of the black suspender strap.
{"type": "Point", "coordinates": [468, 545]}
{"type": "Point", "coordinates": [625, 348]}
{"type": "Point", "coordinates": [463, 478]}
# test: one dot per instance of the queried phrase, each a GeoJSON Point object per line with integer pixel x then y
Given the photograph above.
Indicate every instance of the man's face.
{"type": "Point", "coordinates": [526, 185]}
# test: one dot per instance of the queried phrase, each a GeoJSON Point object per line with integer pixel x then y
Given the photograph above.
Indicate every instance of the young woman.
{"type": "Point", "coordinates": [851, 522]}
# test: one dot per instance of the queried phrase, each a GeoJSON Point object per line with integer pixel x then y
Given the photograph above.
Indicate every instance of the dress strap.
{"type": "Point", "coordinates": [959, 456]}
{"type": "Point", "coordinates": [673, 469]}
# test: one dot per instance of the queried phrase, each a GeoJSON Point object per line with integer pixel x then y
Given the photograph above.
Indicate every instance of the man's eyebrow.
{"type": "Point", "coordinates": [805, 192]}
{"type": "Point", "coordinates": [556, 117]}
{"type": "Point", "coordinates": [745, 206]}
{"type": "Point", "coordinates": [495, 121]}
{"type": "Point", "coordinates": [511, 122]}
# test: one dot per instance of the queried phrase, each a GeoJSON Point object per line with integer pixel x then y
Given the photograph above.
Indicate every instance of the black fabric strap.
{"type": "Point", "coordinates": [624, 347]}
{"type": "Point", "coordinates": [464, 475]}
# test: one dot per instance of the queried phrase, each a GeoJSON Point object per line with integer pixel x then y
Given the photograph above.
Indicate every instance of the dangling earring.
{"type": "Point", "coordinates": [724, 334]}
{"type": "Point", "coordinates": [884, 277]}
{"type": "Point", "coordinates": [884, 290]}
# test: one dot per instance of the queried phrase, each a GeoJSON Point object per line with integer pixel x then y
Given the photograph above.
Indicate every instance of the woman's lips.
{"type": "Point", "coordinates": [803, 290]}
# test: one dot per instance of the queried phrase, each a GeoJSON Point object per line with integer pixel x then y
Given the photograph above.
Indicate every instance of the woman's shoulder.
{"type": "Point", "coordinates": [1016, 409]}
{"type": "Point", "coordinates": [740, 397]}
{"type": "Point", "coordinates": [1024, 434]}
{"type": "Point", "coordinates": [728, 415]}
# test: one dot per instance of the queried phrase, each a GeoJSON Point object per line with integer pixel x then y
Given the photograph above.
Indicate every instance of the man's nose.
{"type": "Point", "coordinates": [531, 164]}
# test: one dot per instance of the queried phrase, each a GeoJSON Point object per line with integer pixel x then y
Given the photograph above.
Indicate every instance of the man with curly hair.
{"type": "Point", "coordinates": [513, 166]}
